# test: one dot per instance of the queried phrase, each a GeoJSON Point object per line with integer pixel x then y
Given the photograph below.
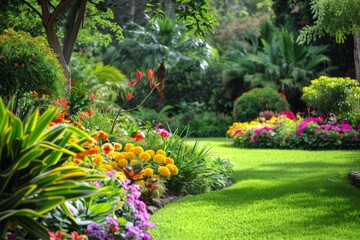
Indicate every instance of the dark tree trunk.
{"type": "Point", "coordinates": [161, 77]}
{"type": "Point", "coordinates": [357, 55]}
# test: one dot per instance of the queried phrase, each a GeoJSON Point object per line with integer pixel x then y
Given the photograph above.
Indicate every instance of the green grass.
{"type": "Point", "coordinates": [277, 194]}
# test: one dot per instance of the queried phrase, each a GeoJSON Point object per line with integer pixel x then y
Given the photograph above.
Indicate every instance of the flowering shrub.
{"type": "Point", "coordinates": [286, 132]}
{"type": "Point", "coordinates": [117, 214]}
{"type": "Point", "coordinates": [146, 168]}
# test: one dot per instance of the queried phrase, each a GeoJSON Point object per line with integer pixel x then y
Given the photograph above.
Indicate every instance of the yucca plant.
{"type": "Point", "coordinates": [33, 179]}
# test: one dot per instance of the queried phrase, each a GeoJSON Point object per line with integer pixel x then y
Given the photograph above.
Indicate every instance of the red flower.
{"type": "Point", "coordinates": [55, 237]}
{"type": "Point", "coordinates": [92, 97]}
{"type": "Point", "coordinates": [35, 94]}
{"type": "Point", "coordinates": [76, 236]}
{"type": "Point", "coordinates": [139, 75]}
{"type": "Point", "coordinates": [132, 84]}
{"type": "Point", "coordinates": [130, 96]}
{"type": "Point", "coordinates": [138, 137]}
{"type": "Point", "coordinates": [82, 115]}
{"type": "Point", "coordinates": [90, 112]}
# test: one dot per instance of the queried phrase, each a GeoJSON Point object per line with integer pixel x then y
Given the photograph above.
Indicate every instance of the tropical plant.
{"type": "Point", "coordinates": [96, 81]}
{"type": "Point", "coordinates": [32, 178]}
{"type": "Point", "coordinates": [339, 96]}
{"type": "Point", "coordinates": [248, 106]}
{"type": "Point", "coordinates": [161, 45]}
{"type": "Point", "coordinates": [276, 60]}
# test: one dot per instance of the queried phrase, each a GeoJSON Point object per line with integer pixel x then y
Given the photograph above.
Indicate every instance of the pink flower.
{"type": "Point", "coordinates": [163, 132]}
{"type": "Point", "coordinates": [82, 115]}
{"type": "Point", "coordinates": [90, 112]}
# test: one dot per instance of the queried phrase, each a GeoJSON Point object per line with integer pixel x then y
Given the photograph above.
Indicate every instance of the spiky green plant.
{"type": "Point", "coordinates": [33, 179]}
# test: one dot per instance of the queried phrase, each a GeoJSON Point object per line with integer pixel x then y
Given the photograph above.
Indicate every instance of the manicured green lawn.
{"type": "Point", "coordinates": [277, 194]}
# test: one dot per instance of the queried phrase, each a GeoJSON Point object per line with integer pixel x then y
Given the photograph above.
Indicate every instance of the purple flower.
{"type": "Point", "coordinates": [111, 173]}
{"type": "Point", "coordinates": [112, 221]}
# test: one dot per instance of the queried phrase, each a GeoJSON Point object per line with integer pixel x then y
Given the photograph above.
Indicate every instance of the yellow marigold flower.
{"type": "Point", "coordinates": [161, 152]}
{"type": "Point", "coordinates": [137, 150]}
{"type": "Point", "coordinates": [144, 156]}
{"type": "Point", "coordinates": [147, 172]}
{"type": "Point", "coordinates": [117, 146]}
{"type": "Point", "coordinates": [120, 175]}
{"type": "Point", "coordinates": [172, 168]}
{"type": "Point", "coordinates": [102, 169]}
{"type": "Point", "coordinates": [108, 167]}
{"type": "Point", "coordinates": [129, 155]}
{"type": "Point", "coordinates": [122, 162]}
{"type": "Point", "coordinates": [164, 171]}
{"type": "Point", "coordinates": [98, 159]}
{"type": "Point", "coordinates": [159, 158]}
{"type": "Point", "coordinates": [118, 156]}
{"type": "Point", "coordinates": [108, 148]}
{"type": "Point", "coordinates": [151, 152]}
{"type": "Point", "coordinates": [133, 162]}
{"type": "Point", "coordinates": [169, 160]}
{"type": "Point", "coordinates": [128, 147]}
{"type": "Point", "coordinates": [113, 165]}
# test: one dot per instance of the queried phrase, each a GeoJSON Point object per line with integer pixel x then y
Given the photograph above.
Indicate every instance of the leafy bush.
{"type": "Point", "coordinates": [248, 106]}
{"type": "Point", "coordinates": [339, 96]}
{"type": "Point", "coordinates": [28, 65]}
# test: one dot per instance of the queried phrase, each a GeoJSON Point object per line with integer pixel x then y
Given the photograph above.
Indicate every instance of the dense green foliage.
{"type": "Point", "coordinates": [276, 60]}
{"type": "Point", "coordinates": [28, 65]}
{"type": "Point", "coordinates": [333, 95]}
{"type": "Point", "coordinates": [248, 106]}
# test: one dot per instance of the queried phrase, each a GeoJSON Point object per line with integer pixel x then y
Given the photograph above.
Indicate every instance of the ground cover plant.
{"type": "Point", "coordinates": [277, 194]}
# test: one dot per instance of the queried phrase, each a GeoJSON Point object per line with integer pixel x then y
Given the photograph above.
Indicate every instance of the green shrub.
{"type": "Point", "coordinates": [333, 95]}
{"type": "Point", "coordinates": [248, 106]}
{"type": "Point", "coordinates": [28, 65]}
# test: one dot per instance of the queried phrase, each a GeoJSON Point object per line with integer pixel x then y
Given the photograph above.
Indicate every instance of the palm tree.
{"type": "Point", "coordinates": [157, 46]}
{"type": "Point", "coordinates": [276, 60]}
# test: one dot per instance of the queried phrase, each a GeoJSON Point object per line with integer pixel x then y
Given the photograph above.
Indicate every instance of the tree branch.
{"type": "Point", "coordinates": [58, 9]}
{"type": "Point", "coordinates": [31, 7]}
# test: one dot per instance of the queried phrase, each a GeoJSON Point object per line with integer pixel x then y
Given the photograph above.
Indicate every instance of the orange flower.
{"type": "Point", "coordinates": [108, 149]}
{"type": "Point", "coordinates": [93, 150]}
{"type": "Point", "coordinates": [117, 146]}
{"type": "Point", "coordinates": [35, 94]}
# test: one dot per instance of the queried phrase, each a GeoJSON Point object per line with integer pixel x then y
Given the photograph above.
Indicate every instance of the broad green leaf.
{"type": "Point", "coordinates": [30, 121]}
{"type": "Point", "coordinates": [41, 124]}
{"type": "Point", "coordinates": [100, 208]}
{"type": "Point", "coordinates": [3, 116]}
{"type": "Point", "coordinates": [25, 160]}
{"type": "Point", "coordinates": [32, 226]}
{"type": "Point", "coordinates": [15, 198]}
{"type": "Point", "coordinates": [43, 204]}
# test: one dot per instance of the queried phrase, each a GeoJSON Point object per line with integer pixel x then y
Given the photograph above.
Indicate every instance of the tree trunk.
{"type": "Point", "coordinates": [161, 77]}
{"type": "Point", "coordinates": [357, 55]}
{"type": "Point", "coordinates": [73, 22]}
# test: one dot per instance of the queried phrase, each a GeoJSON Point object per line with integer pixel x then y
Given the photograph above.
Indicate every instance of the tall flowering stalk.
{"type": "Point", "coordinates": [129, 95]}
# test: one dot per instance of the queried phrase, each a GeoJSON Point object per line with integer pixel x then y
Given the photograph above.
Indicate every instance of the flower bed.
{"type": "Point", "coordinates": [288, 132]}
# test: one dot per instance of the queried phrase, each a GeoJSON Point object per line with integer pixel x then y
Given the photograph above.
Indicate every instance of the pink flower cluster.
{"type": "Point", "coordinates": [305, 123]}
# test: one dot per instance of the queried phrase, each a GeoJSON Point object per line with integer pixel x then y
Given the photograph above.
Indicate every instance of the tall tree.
{"type": "Point", "coordinates": [337, 18]}
{"type": "Point", "coordinates": [67, 16]}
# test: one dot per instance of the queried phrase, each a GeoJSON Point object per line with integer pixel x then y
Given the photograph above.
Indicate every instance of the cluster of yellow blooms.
{"type": "Point", "coordinates": [113, 156]}
{"type": "Point", "coordinates": [258, 123]}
